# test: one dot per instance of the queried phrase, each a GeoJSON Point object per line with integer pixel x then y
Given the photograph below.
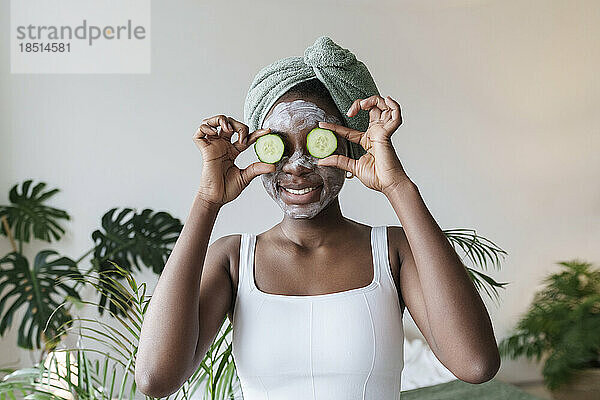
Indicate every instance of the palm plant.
{"type": "Point", "coordinates": [562, 324]}
{"type": "Point", "coordinates": [481, 252]}
{"type": "Point", "coordinates": [79, 376]}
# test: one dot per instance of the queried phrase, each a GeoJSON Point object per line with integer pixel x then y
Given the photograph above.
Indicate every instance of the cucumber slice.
{"type": "Point", "coordinates": [321, 142]}
{"type": "Point", "coordinates": [269, 148]}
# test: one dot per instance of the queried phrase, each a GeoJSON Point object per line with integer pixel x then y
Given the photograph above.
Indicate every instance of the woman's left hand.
{"type": "Point", "coordinates": [379, 169]}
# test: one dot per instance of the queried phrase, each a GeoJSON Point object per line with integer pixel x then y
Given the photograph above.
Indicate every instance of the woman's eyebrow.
{"type": "Point", "coordinates": [279, 132]}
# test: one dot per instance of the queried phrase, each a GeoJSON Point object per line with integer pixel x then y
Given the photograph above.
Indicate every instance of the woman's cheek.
{"type": "Point", "coordinates": [269, 183]}
{"type": "Point", "coordinates": [333, 178]}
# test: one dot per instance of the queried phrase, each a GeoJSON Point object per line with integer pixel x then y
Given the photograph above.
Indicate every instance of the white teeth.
{"type": "Point", "coordinates": [301, 191]}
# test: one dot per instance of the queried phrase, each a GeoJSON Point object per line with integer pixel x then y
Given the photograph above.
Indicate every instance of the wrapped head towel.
{"type": "Point", "coordinates": [345, 77]}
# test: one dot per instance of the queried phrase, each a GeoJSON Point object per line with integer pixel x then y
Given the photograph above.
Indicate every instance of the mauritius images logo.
{"type": "Point", "coordinates": [80, 36]}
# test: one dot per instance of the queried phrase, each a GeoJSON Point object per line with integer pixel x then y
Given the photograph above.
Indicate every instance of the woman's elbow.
{"type": "Point", "coordinates": [150, 386]}
{"type": "Point", "coordinates": [482, 371]}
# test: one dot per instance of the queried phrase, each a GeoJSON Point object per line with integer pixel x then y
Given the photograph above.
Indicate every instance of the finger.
{"type": "Point", "coordinates": [255, 169]}
{"type": "Point", "coordinates": [207, 131]}
{"type": "Point", "coordinates": [241, 128]}
{"type": "Point", "coordinates": [203, 136]}
{"type": "Point", "coordinates": [228, 131]}
{"type": "Point", "coordinates": [212, 121]}
{"type": "Point", "coordinates": [354, 108]}
{"type": "Point", "coordinates": [218, 120]}
{"type": "Point", "coordinates": [374, 101]}
{"type": "Point", "coordinates": [395, 109]}
{"type": "Point", "coordinates": [350, 134]}
{"type": "Point", "coordinates": [375, 105]}
{"type": "Point", "coordinates": [375, 114]}
{"type": "Point", "coordinates": [255, 135]}
{"type": "Point", "coordinates": [250, 139]}
{"type": "Point", "coordinates": [199, 136]}
{"type": "Point", "coordinates": [338, 161]}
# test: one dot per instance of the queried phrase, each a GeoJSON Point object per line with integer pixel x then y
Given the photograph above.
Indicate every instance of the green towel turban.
{"type": "Point", "coordinates": [346, 78]}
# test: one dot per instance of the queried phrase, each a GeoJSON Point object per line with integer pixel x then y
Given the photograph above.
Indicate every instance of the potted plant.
{"type": "Point", "coordinates": [563, 326]}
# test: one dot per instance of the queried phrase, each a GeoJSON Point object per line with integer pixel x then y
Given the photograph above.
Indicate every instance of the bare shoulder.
{"type": "Point", "coordinates": [228, 247]}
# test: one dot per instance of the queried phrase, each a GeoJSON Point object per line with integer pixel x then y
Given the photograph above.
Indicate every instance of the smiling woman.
{"type": "Point", "coordinates": [301, 187]}
{"type": "Point", "coordinates": [316, 301]}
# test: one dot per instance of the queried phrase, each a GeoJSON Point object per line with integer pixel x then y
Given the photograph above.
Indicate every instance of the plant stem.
{"type": "Point", "coordinates": [85, 255]}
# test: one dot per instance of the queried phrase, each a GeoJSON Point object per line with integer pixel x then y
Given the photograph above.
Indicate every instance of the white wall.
{"type": "Point", "coordinates": [500, 130]}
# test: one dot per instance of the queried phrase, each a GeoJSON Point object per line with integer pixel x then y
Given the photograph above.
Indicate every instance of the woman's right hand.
{"type": "Point", "coordinates": [222, 181]}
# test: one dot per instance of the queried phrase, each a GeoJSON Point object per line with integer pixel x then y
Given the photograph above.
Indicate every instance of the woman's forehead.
{"type": "Point", "coordinates": [297, 115]}
{"type": "Point", "coordinates": [322, 104]}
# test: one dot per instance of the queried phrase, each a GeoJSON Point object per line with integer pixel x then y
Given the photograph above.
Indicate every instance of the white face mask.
{"type": "Point", "coordinates": [298, 118]}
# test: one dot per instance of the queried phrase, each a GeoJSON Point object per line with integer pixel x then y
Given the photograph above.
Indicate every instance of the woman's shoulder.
{"type": "Point", "coordinates": [229, 248]}
{"type": "Point", "coordinates": [228, 244]}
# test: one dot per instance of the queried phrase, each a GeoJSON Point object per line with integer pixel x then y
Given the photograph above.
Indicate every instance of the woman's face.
{"type": "Point", "coordinates": [293, 119]}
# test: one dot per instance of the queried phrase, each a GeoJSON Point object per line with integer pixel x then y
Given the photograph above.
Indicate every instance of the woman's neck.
{"type": "Point", "coordinates": [321, 230]}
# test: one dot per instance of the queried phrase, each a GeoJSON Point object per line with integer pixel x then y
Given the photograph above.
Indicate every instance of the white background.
{"type": "Point", "coordinates": [500, 133]}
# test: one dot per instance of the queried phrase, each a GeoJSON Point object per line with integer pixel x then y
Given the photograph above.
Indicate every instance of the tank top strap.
{"type": "Point", "coordinates": [246, 261]}
{"type": "Point", "coordinates": [375, 253]}
{"type": "Point", "coordinates": [379, 241]}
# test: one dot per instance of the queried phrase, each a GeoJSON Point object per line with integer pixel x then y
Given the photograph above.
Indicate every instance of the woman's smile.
{"type": "Point", "coordinates": [301, 196]}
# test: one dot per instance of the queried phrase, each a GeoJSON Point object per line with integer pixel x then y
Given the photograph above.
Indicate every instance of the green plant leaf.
{"type": "Point", "coordinates": [93, 380]}
{"type": "Point", "coordinates": [481, 252]}
{"type": "Point", "coordinates": [129, 239]}
{"type": "Point", "coordinates": [562, 323]}
{"type": "Point", "coordinates": [38, 289]}
{"type": "Point", "coordinates": [28, 213]}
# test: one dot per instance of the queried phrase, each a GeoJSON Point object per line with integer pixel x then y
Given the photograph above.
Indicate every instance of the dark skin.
{"type": "Point", "coordinates": [309, 256]}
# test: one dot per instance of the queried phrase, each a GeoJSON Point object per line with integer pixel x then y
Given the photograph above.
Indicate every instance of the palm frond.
{"type": "Point", "coordinates": [482, 253]}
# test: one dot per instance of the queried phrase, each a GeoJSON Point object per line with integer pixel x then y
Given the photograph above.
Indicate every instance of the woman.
{"type": "Point", "coordinates": [316, 301]}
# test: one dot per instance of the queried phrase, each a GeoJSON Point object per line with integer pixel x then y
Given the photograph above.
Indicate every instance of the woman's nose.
{"type": "Point", "coordinates": [299, 163]}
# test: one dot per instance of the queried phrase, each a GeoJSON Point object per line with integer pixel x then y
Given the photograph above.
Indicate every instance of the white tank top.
{"type": "Point", "coordinates": [336, 346]}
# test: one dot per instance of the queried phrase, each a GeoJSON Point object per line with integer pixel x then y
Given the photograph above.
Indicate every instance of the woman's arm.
{"type": "Point", "coordinates": [456, 316]}
{"type": "Point", "coordinates": [183, 316]}
{"type": "Point", "coordinates": [171, 324]}
{"type": "Point", "coordinates": [453, 315]}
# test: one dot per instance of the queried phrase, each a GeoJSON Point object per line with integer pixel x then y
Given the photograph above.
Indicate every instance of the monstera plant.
{"type": "Point", "coordinates": [126, 237]}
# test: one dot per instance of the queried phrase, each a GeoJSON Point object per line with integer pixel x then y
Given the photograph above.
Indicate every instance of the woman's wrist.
{"type": "Point", "coordinates": [401, 184]}
{"type": "Point", "coordinates": [202, 202]}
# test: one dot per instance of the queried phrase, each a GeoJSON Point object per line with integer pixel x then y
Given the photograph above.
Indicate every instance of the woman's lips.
{"type": "Point", "coordinates": [310, 197]}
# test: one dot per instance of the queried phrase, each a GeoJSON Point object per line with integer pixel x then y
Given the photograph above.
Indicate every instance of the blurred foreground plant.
{"type": "Point", "coordinates": [113, 376]}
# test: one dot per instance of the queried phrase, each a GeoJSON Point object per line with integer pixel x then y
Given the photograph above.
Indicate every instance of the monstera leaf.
{"type": "Point", "coordinates": [28, 213]}
{"type": "Point", "coordinates": [38, 289]}
{"type": "Point", "coordinates": [129, 239]}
